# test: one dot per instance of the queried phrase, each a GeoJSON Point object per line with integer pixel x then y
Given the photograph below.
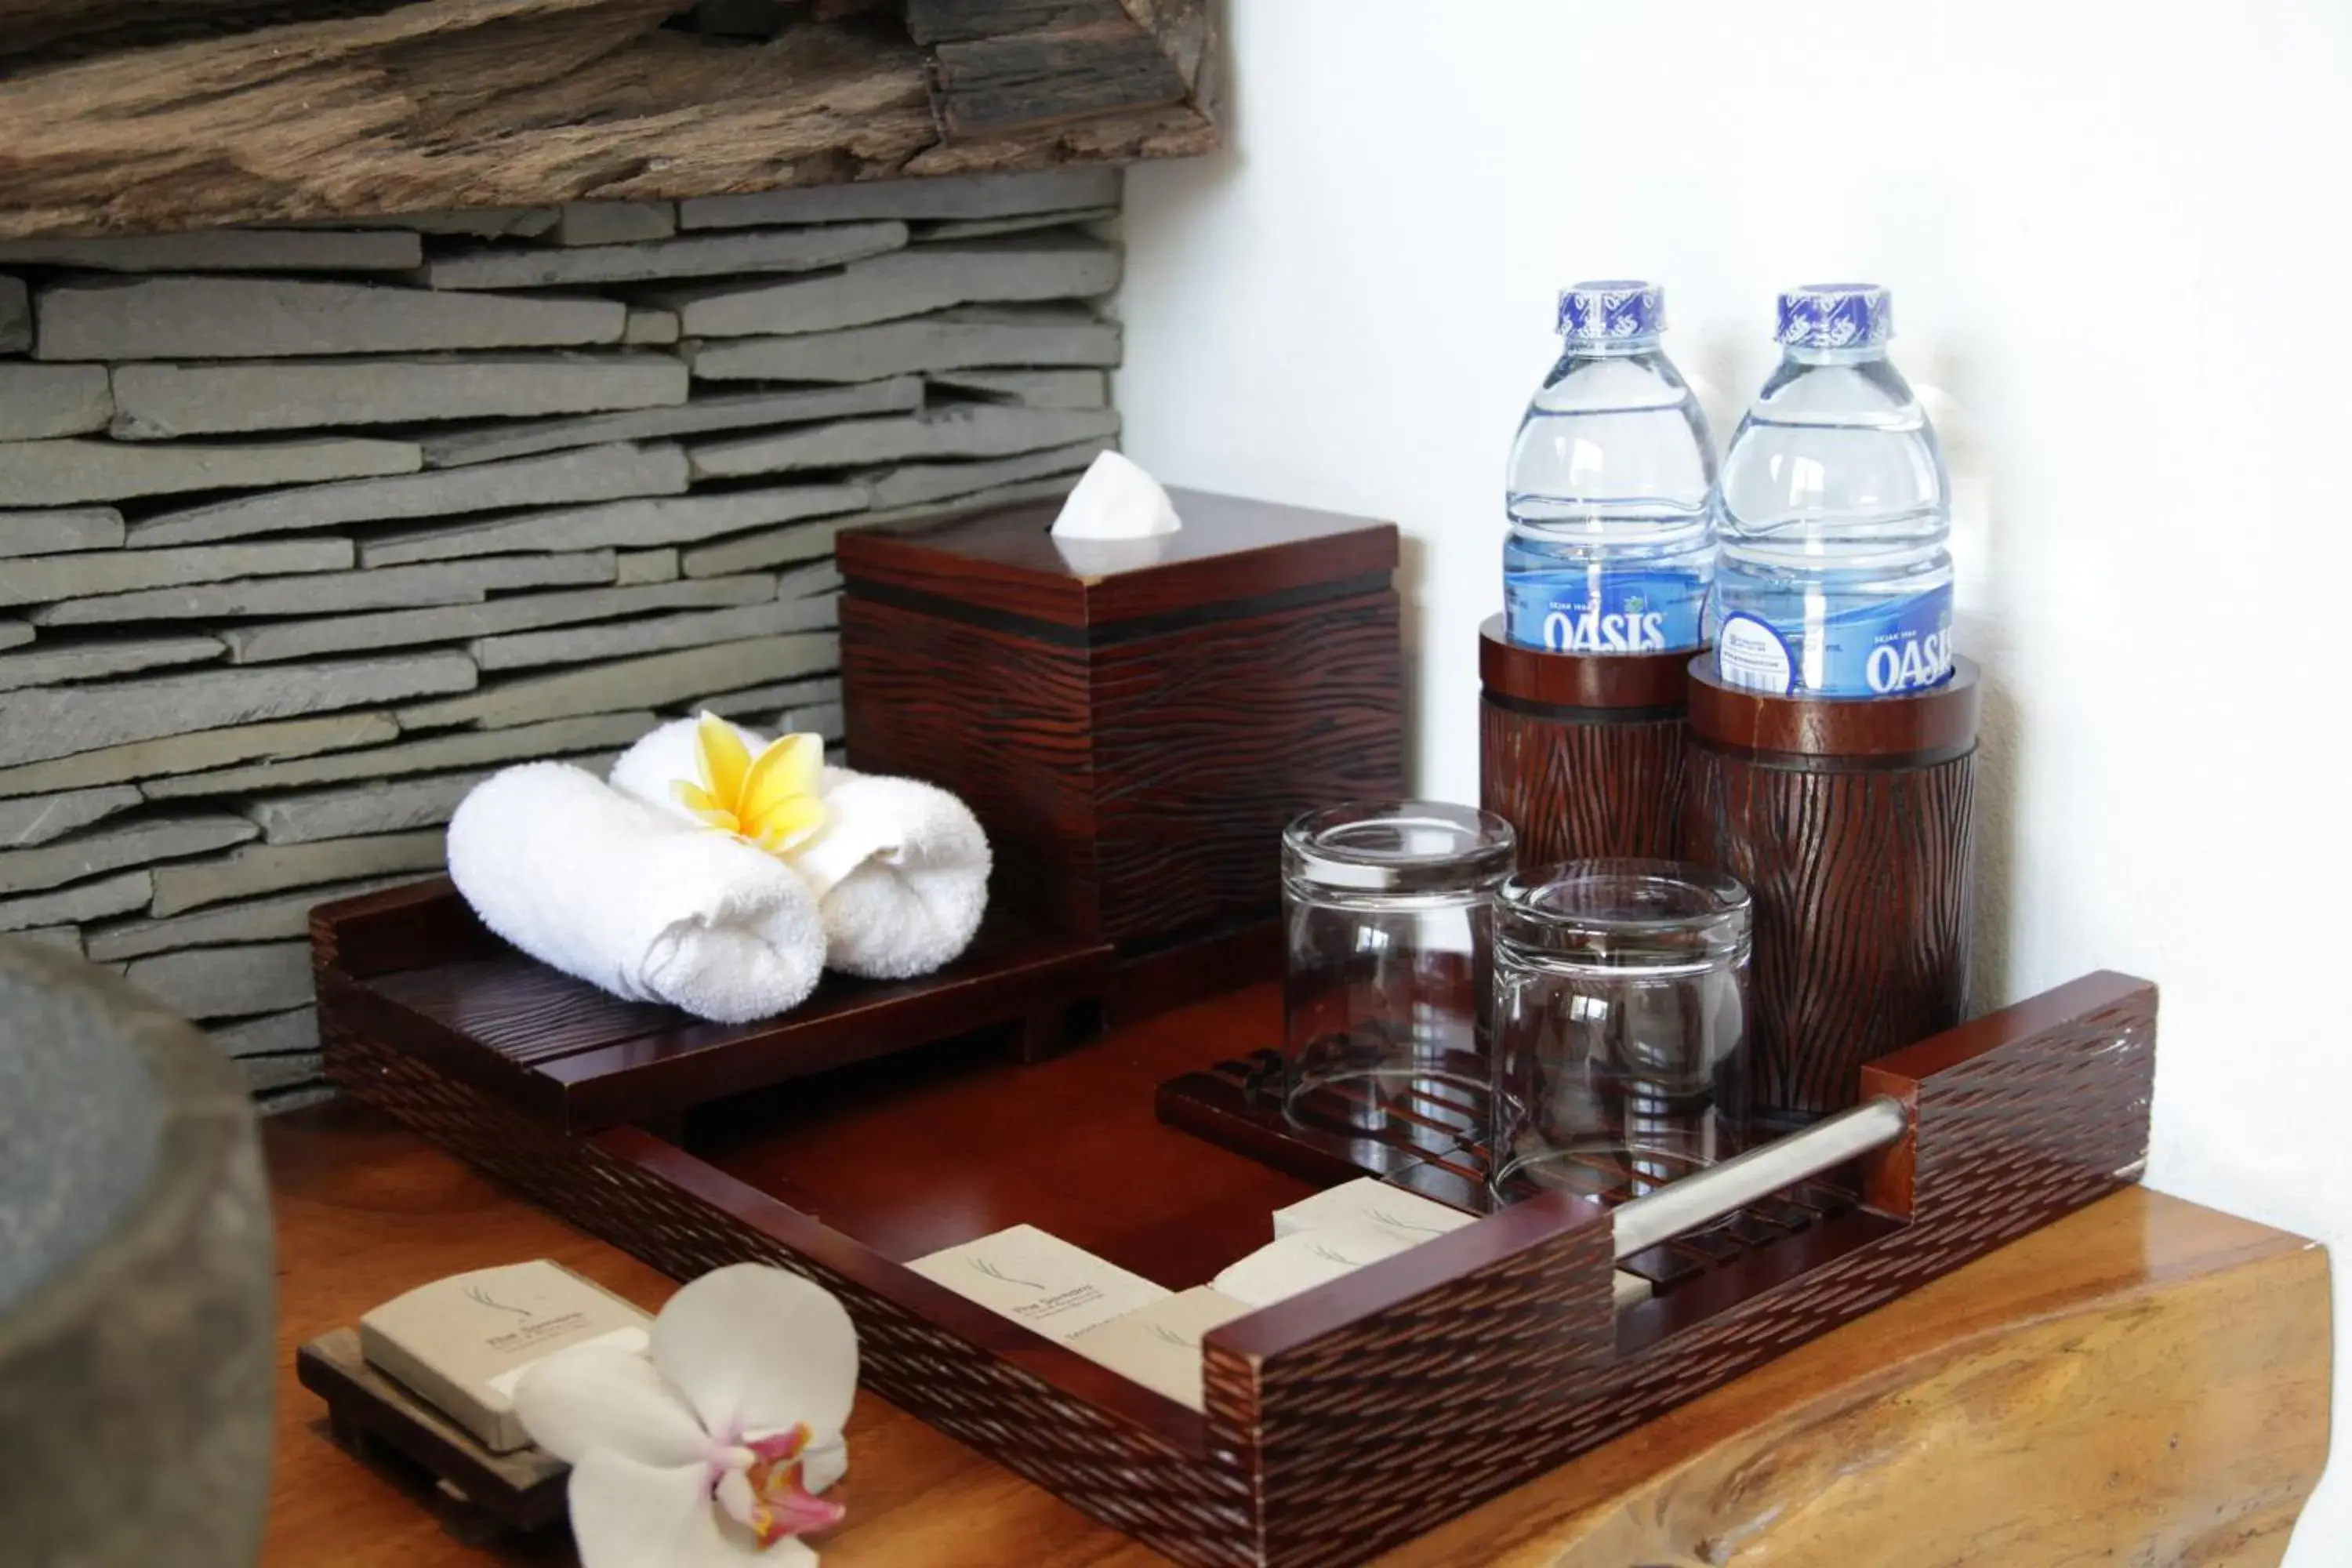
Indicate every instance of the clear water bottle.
{"type": "Point", "coordinates": [1832, 579]}
{"type": "Point", "coordinates": [1612, 547]}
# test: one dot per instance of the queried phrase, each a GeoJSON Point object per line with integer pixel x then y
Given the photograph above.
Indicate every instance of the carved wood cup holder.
{"type": "Point", "coordinates": [1336, 1423]}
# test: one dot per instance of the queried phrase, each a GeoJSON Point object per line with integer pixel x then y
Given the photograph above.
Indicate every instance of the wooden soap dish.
{"type": "Point", "coordinates": [486, 1493]}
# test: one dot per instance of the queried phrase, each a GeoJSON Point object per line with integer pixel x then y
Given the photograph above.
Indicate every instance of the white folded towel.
{"type": "Point", "coordinates": [589, 881]}
{"type": "Point", "coordinates": [899, 870]}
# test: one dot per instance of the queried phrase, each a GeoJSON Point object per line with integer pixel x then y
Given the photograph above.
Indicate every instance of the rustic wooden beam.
{"type": "Point", "coordinates": [1001, 65]}
{"type": "Point", "coordinates": [461, 104]}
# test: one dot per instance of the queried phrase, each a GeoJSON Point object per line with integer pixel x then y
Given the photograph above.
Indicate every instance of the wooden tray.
{"type": "Point", "coordinates": [1338, 1423]}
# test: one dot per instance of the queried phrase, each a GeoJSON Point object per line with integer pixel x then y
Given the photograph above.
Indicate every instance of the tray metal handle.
{"type": "Point", "coordinates": [1680, 1205]}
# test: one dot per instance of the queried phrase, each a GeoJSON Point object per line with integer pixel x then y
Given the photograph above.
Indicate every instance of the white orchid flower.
{"type": "Point", "coordinates": [710, 1450]}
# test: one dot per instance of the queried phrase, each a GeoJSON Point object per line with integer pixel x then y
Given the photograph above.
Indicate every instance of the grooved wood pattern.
{"type": "Point", "coordinates": [1131, 1479]}
{"type": "Point", "coordinates": [998, 719]}
{"type": "Point", "coordinates": [1864, 882]}
{"type": "Point", "coordinates": [1578, 789]}
{"type": "Point", "coordinates": [1208, 740]}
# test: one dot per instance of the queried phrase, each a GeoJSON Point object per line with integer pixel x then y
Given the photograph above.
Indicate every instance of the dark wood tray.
{"type": "Point", "coordinates": [1338, 1423]}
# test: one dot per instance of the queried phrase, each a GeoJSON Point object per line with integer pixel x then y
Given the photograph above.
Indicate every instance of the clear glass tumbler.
{"type": "Point", "coordinates": [1621, 1027]}
{"type": "Point", "coordinates": [1390, 910]}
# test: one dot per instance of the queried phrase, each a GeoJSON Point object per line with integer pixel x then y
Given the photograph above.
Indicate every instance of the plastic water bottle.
{"type": "Point", "coordinates": [1611, 547]}
{"type": "Point", "coordinates": [1833, 579]}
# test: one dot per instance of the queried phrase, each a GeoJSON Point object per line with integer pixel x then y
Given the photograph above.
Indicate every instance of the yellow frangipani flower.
{"type": "Point", "coordinates": [770, 800]}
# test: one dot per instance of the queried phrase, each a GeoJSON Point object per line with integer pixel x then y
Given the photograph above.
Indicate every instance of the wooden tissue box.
{"type": "Point", "coordinates": [1134, 722]}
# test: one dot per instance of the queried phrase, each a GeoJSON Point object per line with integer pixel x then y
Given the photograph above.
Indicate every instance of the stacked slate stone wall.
{"type": "Point", "coordinates": [304, 531]}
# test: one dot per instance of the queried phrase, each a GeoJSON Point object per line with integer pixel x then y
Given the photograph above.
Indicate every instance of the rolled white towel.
{"type": "Point", "coordinates": [589, 881]}
{"type": "Point", "coordinates": [901, 868]}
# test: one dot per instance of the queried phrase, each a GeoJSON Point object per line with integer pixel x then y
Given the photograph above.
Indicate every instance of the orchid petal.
{"type": "Point", "coordinates": [595, 1398]}
{"type": "Point", "coordinates": [825, 1464]}
{"type": "Point", "coordinates": [629, 1515]}
{"type": "Point", "coordinates": [725, 760]}
{"type": "Point", "coordinates": [754, 1349]}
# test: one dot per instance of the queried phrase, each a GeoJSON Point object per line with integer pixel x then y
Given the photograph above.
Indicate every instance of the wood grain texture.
{"type": "Point", "coordinates": [1135, 732]}
{"type": "Point", "coordinates": [1417, 1367]}
{"type": "Point", "coordinates": [1583, 786]}
{"type": "Point", "coordinates": [2144, 1380]}
{"type": "Point", "coordinates": [447, 103]}
{"type": "Point", "coordinates": [1001, 720]}
{"type": "Point", "coordinates": [1864, 883]}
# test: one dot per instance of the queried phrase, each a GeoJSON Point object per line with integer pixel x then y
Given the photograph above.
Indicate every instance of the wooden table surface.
{"type": "Point", "coordinates": [2145, 1381]}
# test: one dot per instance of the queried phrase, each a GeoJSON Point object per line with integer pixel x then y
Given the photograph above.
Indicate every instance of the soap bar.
{"type": "Point", "coordinates": [1367, 1198]}
{"type": "Point", "coordinates": [1158, 1346]}
{"type": "Point", "coordinates": [1039, 1279]}
{"type": "Point", "coordinates": [462, 1343]}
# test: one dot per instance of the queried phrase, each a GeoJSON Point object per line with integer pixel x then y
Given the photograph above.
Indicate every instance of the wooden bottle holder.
{"type": "Point", "coordinates": [1338, 1423]}
{"type": "Point", "coordinates": [1852, 825]}
{"type": "Point", "coordinates": [1583, 753]}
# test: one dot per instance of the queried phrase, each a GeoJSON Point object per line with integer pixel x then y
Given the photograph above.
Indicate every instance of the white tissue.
{"type": "Point", "coordinates": [1115, 499]}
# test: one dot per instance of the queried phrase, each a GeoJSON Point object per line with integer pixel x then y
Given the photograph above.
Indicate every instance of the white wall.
{"type": "Point", "coordinates": [2117, 237]}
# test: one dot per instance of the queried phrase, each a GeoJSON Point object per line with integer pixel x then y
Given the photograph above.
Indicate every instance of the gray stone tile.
{"type": "Point", "coordinates": [15, 317]}
{"type": "Point", "coordinates": [37, 819]}
{"type": "Point", "coordinates": [281, 917]}
{"type": "Point", "coordinates": [324, 593]}
{"type": "Point", "coordinates": [632, 524]}
{"type": "Point", "coordinates": [270, 317]}
{"type": "Point", "coordinates": [632, 567]}
{"type": "Point", "coordinates": [967, 430]}
{"type": "Point", "coordinates": [60, 532]}
{"type": "Point", "coordinates": [42, 579]}
{"type": "Point", "coordinates": [156, 401]}
{"type": "Point", "coordinates": [66, 939]}
{"type": "Point", "coordinates": [903, 283]}
{"type": "Point", "coordinates": [591, 473]}
{"type": "Point", "coordinates": [193, 753]}
{"type": "Point", "coordinates": [728, 411]}
{"type": "Point", "coordinates": [275, 1033]}
{"type": "Point", "coordinates": [976, 335]}
{"type": "Point", "coordinates": [381, 806]}
{"type": "Point", "coordinates": [226, 250]}
{"type": "Point", "coordinates": [112, 849]}
{"type": "Point", "coordinates": [921, 482]}
{"type": "Point", "coordinates": [288, 1082]}
{"type": "Point", "coordinates": [808, 582]}
{"type": "Point", "coordinates": [481, 223]}
{"type": "Point", "coordinates": [65, 472]}
{"type": "Point", "coordinates": [257, 869]}
{"type": "Point", "coordinates": [42, 723]}
{"type": "Point", "coordinates": [1023, 223]}
{"type": "Point", "coordinates": [227, 981]}
{"type": "Point", "coordinates": [824, 721]}
{"type": "Point", "coordinates": [92, 901]}
{"type": "Point", "coordinates": [955, 196]}
{"type": "Point", "coordinates": [661, 680]}
{"type": "Point", "coordinates": [37, 401]}
{"type": "Point", "coordinates": [621, 639]}
{"type": "Point", "coordinates": [763, 703]}
{"type": "Point", "coordinates": [275, 641]}
{"type": "Point", "coordinates": [1029, 388]}
{"type": "Point", "coordinates": [769, 547]}
{"type": "Point", "coordinates": [650, 325]}
{"type": "Point", "coordinates": [55, 664]}
{"type": "Point", "coordinates": [15, 634]}
{"type": "Point", "coordinates": [613, 222]}
{"type": "Point", "coordinates": [464, 749]}
{"type": "Point", "coordinates": [695, 256]}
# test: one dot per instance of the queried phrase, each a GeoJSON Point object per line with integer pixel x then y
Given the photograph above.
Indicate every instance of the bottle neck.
{"type": "Point", "coordinates": [1608, 348]}
{"type": "Point", "coordinates": [1793, 353]}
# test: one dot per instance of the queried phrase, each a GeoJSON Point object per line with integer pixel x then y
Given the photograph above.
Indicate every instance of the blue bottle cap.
{"type": "Point", "coordinates": [1612, 311]}
{"type": "Point", "coordinates": [1835, 316]}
